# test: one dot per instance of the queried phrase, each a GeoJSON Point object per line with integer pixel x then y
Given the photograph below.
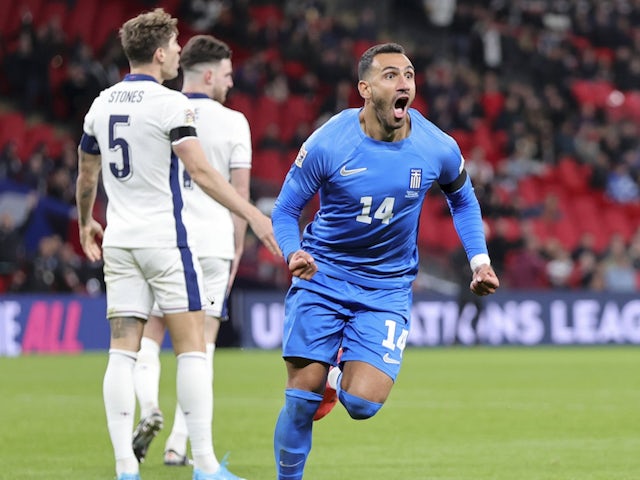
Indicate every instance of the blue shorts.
{"type": "Point", "coordinates": [325, 313]}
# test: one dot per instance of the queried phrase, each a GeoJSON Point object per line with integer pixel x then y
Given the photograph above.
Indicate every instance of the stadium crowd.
{"type": "Point", "coordinates": [543, 97]}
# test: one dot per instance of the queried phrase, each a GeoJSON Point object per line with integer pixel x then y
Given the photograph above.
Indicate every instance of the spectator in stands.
{"type": "Point", "coordinates": [27, 71]}
{"type": "Point", "coordinates": [36, 170]}
{"type": "Point", "coordinates": [586, 243]}
{"type": "Point", "coordinates": [526, 268]}
{"type": "Point", "coordinates": [585, 274]}
{"type": "Point", "coordinates": [11, 245]}
{"type": "Point", "coordinates": [621, 186]}
{"type": "Point", "coordinates": [80, 88]}
{"type": "Point", "coordinates": [301, 133]}
{"type": "Point", "coordinates": [619, 275]}
{"type": "Point", "coordinates": [634, 250]}
{"type": "Point", "coordinates": [548, 211]}
{"type": "Point", "coordinates": [599, 175]}
{"type": "Point", "coordinates": [270, 139]}
{"type": "Point", "coordinates": [559, 266]}
{"type": "Point", "coordinates": [46, 275]}
{"type": "Point", "coordinates": [338, 99]}
{"type": "Point", "coordinates": [10, 162]}
{"type": "Point", "coordinates": [201, 15]}
{"type": "Point", "coordinates": [48, 216]}
{"type": "Point", "coordinates": [500, 244]}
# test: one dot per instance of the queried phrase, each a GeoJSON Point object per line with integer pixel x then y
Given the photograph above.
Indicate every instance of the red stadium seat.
{"type": "Point", "coordinates": [595, 92]}
{"type": "Point", "coordinates": [42, 134]}
{"type": "Point", "coordinates": [530, 190]}
{"type": "Point", "coordinates": [242, 102]}
{"type": "Point", "coordinates": [50, 10]}
{"type": "Point", "coordinates": [573, 176]}
{"type": "Point", "coordinates": [420, 104]}
{"type": "Point", "coordinates": [16, 10]}
{"type": "Point", "coordinates": [267, 111]}
{"type": "Point", "coordinates": [12, 128]}
{"type": "Point", "coordinates": [295, 110]}
{"type": "Point", "coordinates": [269, 166]}
{"type": "Point", "coordinates": [80, 22]}
{"type": "Point", "coordinates": [464, 140]}
{"type": "Point", "coordinates": [294, 69]}
{"type": "Point", "coordinates": [492, 103]}
{"type": "Point", "coordinates": [7, 8]}
{"type": "Point", "coordinates": [263, 14]}
{"type": "Point", "coordinates": [361, 46]}
{"type": "Point", "coordinates": [586, 211]}
{"type": "Point", "coordinates": [615, 219]}
{"type": "Point", "coordinates": [631, 105]}
{"type": "Point", "coordinates": [107, 23]}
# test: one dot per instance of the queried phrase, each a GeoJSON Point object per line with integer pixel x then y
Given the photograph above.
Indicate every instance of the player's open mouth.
{"type": "Point", "coordinates": [400, 107]}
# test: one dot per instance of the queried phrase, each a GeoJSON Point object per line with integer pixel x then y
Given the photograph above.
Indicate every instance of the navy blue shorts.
{"type": "Point", "coordinates": [325, 313]}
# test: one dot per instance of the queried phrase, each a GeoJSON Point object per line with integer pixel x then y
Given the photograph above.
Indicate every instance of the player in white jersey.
{"type": "Point", "coordinates": [134, 133]}
{"type": "Point", "coordinates": [226, 139]}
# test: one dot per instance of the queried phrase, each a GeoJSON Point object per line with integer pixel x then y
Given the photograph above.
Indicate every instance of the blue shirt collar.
{"type": "Point", "coordinates": [138, 77]}
{"type": "Point", "coordinates": [195, 95]}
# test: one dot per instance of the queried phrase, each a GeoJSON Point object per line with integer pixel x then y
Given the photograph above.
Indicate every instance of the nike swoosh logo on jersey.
{"type": "Point", "coordinates": [345, 173]}
{"type": "Point", "coordinates": [387, 359]}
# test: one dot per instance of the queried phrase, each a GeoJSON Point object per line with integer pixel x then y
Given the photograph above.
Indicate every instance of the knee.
{"type": "Point", "coordinates": [357, 407]}
{"type": "Point", "coordinates": [301, 405]}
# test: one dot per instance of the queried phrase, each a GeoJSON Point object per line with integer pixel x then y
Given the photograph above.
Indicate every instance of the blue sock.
{"type": "Point", "coordinates": [357, 407]}
{"type": "Point", "coordinates": [292, 437]}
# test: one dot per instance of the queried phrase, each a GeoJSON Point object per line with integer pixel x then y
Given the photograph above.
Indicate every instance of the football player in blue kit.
{"type": "Point", "coordinates": [355, 263]}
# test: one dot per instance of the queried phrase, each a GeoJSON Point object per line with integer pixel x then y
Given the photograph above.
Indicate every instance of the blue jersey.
{"type": "Point", "coordinates": [371, 195]}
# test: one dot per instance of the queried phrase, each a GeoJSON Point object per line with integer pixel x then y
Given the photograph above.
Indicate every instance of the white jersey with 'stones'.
{"type": "Point", "coordinates": [226, 140]}
{"type": "Point", "coordinates": [131, 122]}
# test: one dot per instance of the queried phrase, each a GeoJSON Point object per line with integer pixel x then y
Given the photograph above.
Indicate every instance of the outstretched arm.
{"type": "Point", "coordinates": [240, 180]}
{"type": "Point", "coordinates": [216, 186]}
{"type": "Point", "coordinates": [467, 218]}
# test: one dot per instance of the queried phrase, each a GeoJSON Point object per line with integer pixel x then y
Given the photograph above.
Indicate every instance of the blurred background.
{"type": "Point", "coordinates": [543, 97]}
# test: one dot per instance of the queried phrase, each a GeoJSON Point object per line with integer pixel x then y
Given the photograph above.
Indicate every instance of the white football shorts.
{"type": "Point", "coordinates": [136, 276]}
{"type": "Point", "coordinates": [216, 272]}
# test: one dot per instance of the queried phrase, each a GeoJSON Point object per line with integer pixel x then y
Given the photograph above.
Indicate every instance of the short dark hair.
{"type": "Point", "coordinates": [367, 57]}
{"type": "Point", "coordinates": [203, 49]}
{"type": "Point", "coordinates": [141, 36]}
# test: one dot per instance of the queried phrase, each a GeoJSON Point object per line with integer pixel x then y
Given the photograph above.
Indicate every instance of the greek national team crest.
{"type": "Point", "coordinates": [415, 181]}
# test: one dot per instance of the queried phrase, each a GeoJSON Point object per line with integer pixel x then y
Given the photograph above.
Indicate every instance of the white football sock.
{"type": "Point", "coordinates": [177, 440]}
{"type": "Point", "coordinates": [120, 407]}
{"type": "Point", "coordinates": [196, 400]}
{"type": "Point", "coordinates": [146, 376]}
{"type": "Point", "coordinates": [211, 350]}
{"type": "Point", "coordinates": [332, 378]}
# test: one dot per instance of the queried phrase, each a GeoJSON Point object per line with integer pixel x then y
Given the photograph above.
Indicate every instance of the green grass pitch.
{"type": "Point", "coordinates": [454, 414]}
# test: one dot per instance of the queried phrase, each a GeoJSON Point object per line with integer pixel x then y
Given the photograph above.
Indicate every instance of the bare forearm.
{"type": "Point", "coordinates": [87, 185]}
{"type": "Point", "coordinates": [85, 199]}
{"type": "Point", "coordinates": [240, 180]}
{"type": "Point", "coordinates": [239, 232]}
{"type": "Point", "coordinates": [217, 187]}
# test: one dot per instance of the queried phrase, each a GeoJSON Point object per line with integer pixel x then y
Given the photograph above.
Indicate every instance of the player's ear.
{"type": "Point", "coordinates": [160, 54]}
{"type": "Point", "coordinates": [208, 76]}
{"type": "Point", "coordinates": [364, 88]}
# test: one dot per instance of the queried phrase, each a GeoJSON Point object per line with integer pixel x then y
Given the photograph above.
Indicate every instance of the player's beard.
{"type": "Point", "coordinates": [385, 115]}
